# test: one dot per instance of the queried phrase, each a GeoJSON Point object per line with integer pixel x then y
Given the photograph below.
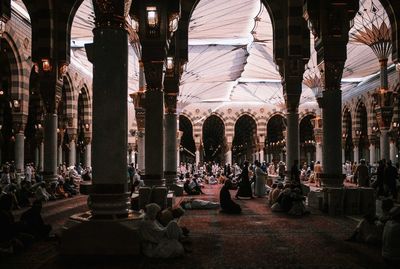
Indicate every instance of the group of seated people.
{"type": "Point", "coordinates": [16, 236]}
{"type": "Point", "coordinates": [31, 186]}
{"type": "Point", "coordinates": [287, 198]}
{"type": "Point", "coordinates": [384, 230]}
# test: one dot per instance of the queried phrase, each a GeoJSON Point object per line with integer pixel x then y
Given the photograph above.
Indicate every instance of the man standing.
{"type": "Point", "coordinates": [361, 175]}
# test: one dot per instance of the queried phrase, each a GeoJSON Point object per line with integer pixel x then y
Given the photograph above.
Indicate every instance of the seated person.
{"type": "Point", "coordinates": [390, 242]}
{"type": "Point", "coordinates": [159, 241]}
{"type": "Point", "coordinates": [33, 223]}
{"type": "Point", "coordinates": [212, 180]}
{"type": "Point", "coordinates": [227, 204]}
{"type": "Point", "coordinates": [188, 189]}
{"type": "Point", "coordinates": [198, 204]}
{"type": "Point", "coordinates": [370, 228]}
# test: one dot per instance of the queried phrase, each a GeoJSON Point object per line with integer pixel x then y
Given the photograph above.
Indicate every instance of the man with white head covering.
{"type": "Point", "coordinates": [159, 241]}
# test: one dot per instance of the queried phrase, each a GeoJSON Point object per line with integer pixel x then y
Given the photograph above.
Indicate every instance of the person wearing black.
{"type": "Point", "coordinates": [380, 175]}
{"type": "Point", "coordinates": [295, 172]}
{"type": "Point", "coordinates": [391, 179]}
{"type": "Point", "coordinates": [33, 223]}
{"type": "Point", "coordinates": [244, 184]}
{"type": "Point", "coordinates": [227, 205]}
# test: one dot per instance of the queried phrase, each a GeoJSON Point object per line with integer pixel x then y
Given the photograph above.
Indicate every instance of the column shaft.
{"type": "Point", "coordinates": [393, 151]}
{"type": "Point", "coordinates": [318, 152]}
{"type": "Point", "coordinates": [50, 147]}
{"type": "Point", "coordinates": [72, 153]}
{"type": "Point", "coordinates": [19, 152]}
{"type": "Point", "coordinates": [110, 194]}
{"type": "Point", "coordinates": [384, 143]}
{"type": "Point", "coordinates": [292, 139]}
{"type": "Point", "coordinates": [372, 153]}
{"type": "Point", "coordinates": [141, 151]}
{"type": "Point", "coordinates": [356, 154]}
{"type": "Point", "coordinates": [170, 161]}
{"type": "Point", "coordinates": [59, 155]}
{"type": "Point", "coordinates": [154, 157]}
{"type": "Point", "coordinates": [261, 155]}
{"type": "Point", "coordinates": [88, 155]}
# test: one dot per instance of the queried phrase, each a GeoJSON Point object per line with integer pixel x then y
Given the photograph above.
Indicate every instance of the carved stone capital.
{"type": "Point", "coordinates": [111, 13]}
{"type": "Point", "coordinates": [331, 74]}
{"type": "Point", "coordinates": [140, 114]}
{"type": "Point", "coordinates": [154, 74]}
{"type": "Point", "coordinates": [170, 101]}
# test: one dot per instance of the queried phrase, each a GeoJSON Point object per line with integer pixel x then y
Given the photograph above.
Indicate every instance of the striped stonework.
{"type": "Point", "coordinates": [87, 105]}
{"type": "Point", "coordinates": [271, 115]}
{"type": "Point", "coordinates": [346, 112]}
{"type": "Point", "coordinates": [70, 103]}
{"type": "Point", "coordinates": [306, 113]}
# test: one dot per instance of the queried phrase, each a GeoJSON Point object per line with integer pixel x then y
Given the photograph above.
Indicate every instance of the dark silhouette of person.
{"type": "Point", "coordinates": [227, 205]}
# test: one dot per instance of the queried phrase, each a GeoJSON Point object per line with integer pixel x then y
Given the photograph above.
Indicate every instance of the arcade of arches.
{"type": "Point", "coordinates": [158, 83]}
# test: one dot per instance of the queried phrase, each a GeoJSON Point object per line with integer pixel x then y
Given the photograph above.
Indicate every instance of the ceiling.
{"type": "Point", "coordinates": [231, 54]}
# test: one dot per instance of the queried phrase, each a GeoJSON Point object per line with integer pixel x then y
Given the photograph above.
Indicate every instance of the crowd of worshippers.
{"type": "Point", "coordinates": [30, 185]}
{"type": "Point", "coordinates": [382, 229]}
{"type": "Point", "coordinates": [250, 181]}
{"type": "Point", "coordinates": [16, 236]}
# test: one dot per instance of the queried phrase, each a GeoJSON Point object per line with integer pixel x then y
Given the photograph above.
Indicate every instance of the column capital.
{"type": "Point", "coordinates": [170, 100]}
{"type": "Point", "coordinates": [154, 73]}
{"type": "Point", "coordinates": [111, 13]}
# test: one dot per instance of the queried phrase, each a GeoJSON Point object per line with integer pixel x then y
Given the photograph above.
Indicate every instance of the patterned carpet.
{"type": "Point", "coordinates": [256, 239]}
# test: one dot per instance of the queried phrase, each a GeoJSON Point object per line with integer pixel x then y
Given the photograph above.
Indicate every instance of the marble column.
{"type": "Point", "coordinates": [393, 151]}
{"type": "Point", "coordinates": [19, 151]}
{"type": "Point", "coordinates": [41, 156]}
{"type": "Point", "coordinates": [88, 155]}
{"type": "Point", "coordinates": [356, 154]}
{"type": "Point", "coordinates": [318, 152]}
{"type": "Point", "coordinates": [110, 196]}
{"type": "Point", "coordinates": [228, 154]}
{"type": "Point", "coordinates": [154, 157]}
{"type": "Point", "coordinates": [384, 143]}
{"type": "Point", "coordinates": [37, 154]}
{"type": "Point", "coordinates": [332, 137]}
{"type": "Point", "coordinates": [72, 150]}
{"type": "Point", "coordinates": [59, 155]}
{"type": "Point", "coordinates": [141, 150]}
{"type": "Point", "coordinates": [261, 153]}
{"type": "Point", "coordinates": [170, 140]}
{"type": "Point", "coordinates": [292, 138]}
{"type": "Point", "coordinates": [50, 147]}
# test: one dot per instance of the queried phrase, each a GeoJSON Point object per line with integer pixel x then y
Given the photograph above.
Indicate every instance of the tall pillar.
{"type": "Point", "coordinates": [19, 151]}
{"type": "Point", "coordinates": [228, 154]}
{"type": "Point", "coordinates": [261, 153]}
{"type": "Point", "coordinates": [343, 155]}
{"type": "Point", "coordinates": [72, 149]}
{"type": "Point", "coordinates": [154, 157]}
{"type": "Point", "coordinates": [41, 156]}
{"type": "Point", "coordinates": [50, 147]}
{"type": "Point", "coordinates": [292, 138]}
{"type": "Point", "coordinates": [197, 142]}
{"type": "Point", "coordinates": [356, 154]}
{"type": "Point", "coordinates": [170, 160]}
{"type": "Point", "coordinates": [110, 196]}
{"type": "Point", "coordinates": [393, 151]}
{"type": "Point", "coordinates": [59, 155]}
{"type": "Point", "coordinates": [384, 143]}
{"type": "Point", "coordinates": [141, 150]}
{"type": "Point", "coordinates": [88, 154]}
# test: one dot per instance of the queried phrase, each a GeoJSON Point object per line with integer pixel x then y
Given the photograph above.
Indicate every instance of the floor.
{"type": "Point", "coordinates": [256, 239]}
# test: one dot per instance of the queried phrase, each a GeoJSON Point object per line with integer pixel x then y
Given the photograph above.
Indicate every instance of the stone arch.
{"type": "Point", "coordinates": [213, 138]}
{"type": "Point", "coordinates": [306, 114]}
{"type": "Point", "coordinates": [245, 139]}
{"type": "Point", "coordinates": [19, 75]}
{"type": "Point", "coordinates": [187, 142]}
{"type": "Point", "coordinates": [83, 94]}
{"type": "Point", "coordinates": [275, 113]}
{"type": "Point", "coordinates": [69, 102]}
{"type": "Point", "coordinates": [392, 8]}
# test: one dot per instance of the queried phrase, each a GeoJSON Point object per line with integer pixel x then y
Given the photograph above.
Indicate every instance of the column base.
{"type": "Point", "coordinates": [343, 201]}
{"type": "Point", "coordinates": [49, 177]}
{"type": "Point", "coordinates": [153, 194]}
{"type": "Point", "coordinates": [170, 178]}
{"type": "Point", "coordinates": [82, 235]}
{"type": "Point", "coordinates": [332, 180]}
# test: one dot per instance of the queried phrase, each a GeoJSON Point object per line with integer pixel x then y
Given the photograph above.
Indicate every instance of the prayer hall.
{"type": "Point", "coordinates": [199, 134]}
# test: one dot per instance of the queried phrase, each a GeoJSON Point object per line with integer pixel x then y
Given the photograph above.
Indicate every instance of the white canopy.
{"type": "Point", "coordinates": [231, 53]}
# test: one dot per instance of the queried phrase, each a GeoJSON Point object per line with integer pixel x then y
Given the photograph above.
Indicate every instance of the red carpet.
{"type": "Point", "coordinates": [256, 239]}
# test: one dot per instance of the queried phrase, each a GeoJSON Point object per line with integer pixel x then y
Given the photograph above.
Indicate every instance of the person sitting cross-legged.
{"type": "Point", "coordinates": [227, 204]}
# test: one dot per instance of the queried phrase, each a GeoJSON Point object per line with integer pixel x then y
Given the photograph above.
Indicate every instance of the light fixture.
{"type": "Point", "coordinates": [1, 126]}
{"type": "Point", "coordinates": [2, 27]}
{"type": "Point", "coordinates": [395, 124]}
{"type": "Point", "coordinates": [152, 16]}
{"type": "Point", "coordinates": [87, 126]}
{"type": "Point", "coordinates": [173, 23]}
{"type": "Point", "coordinates": [63, 69]}
{"type": "Point", "coordinates": [1, 92]}
{"type": "Point", "coordinates": [16, 104]}
{"type": "Point", "coordinates": [170, 63]}
{"type": "Point", "coordinates": [46, 66]}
